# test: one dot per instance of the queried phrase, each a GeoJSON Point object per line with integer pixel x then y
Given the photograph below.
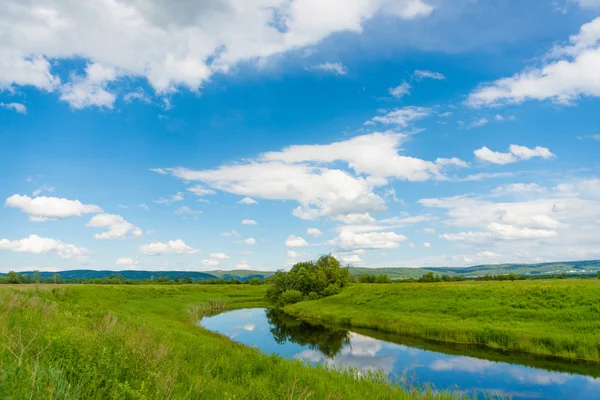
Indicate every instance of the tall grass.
{"type": "Point", "coordinates": [102, 342]}
{"type": "Point", "coordinates": [553, 317]}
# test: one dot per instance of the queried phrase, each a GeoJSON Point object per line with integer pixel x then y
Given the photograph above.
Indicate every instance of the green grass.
{"type": "Point", "coordinates": [142, 342]}
{"type": "Point", "coordinates": [548, 317]}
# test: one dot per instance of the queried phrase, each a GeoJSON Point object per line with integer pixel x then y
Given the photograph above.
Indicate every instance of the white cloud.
{"type": "Point", "coordinates": [35, 244]}
{"type": "Point", "coordinates": [401, 90]}
{"type": "Point", "coordinates": [247, 201]}
{"type": "Point", "coordinates": [44, 208]}
{"type": "Point", "coordinates": [402, 116]}
{"type": "Point", "coordinates": [118, 228]}
{"type": "Point", "coordinates": [144, 207]}
{"type": "Point", "coordinates": [219, 256]}
{"type": "Point", "coordinates": [588, 3]}
{"type": "Point", "coordinates": [567, 73]}
{"type": "Point", "coordinates": [200, 191]}
{"type": "Point", "coordinates": [243, 265]}
{"type": "Point", "coordinates": [486, 175]}
{"type": "Point", "coordinates": [349, 258]}
{"type": "Point", "coordinates": [170, 200]}
{"type": "Point", "coordinates": [212, 262]}
{"type": "Point", "coordinates": [445, 114]}
{"type": "Point", "coordinates": [314, 232]}
{"type": "Point", "coordinates": [232, 233]}
{"type": "Point", "coordinates": [423, 74]}
{"type": "Point", "coordinates": [160, 171]}
{"type": "Point", "coordinates": [347, 240]}
{"type": "Point", "coordinates": [478, 123]}
{"type": "Point", "coordinates": [44, 188]}
{"type": "Point", "coordinates": [250, 241]}
{"type": "Point", "coordinates": [295, 241]}
{"type": "Point", "coordinates": [17, 107]}
{"type": "Point", "coordinates": [249, 222]}
{"type": "Point", "coordinates": [357, 223]}
{"type": "Point", "coordinates": [130, 262]}
{"type": "Point", "coordinates": [294, 254]}
{"type": "Point", "coordinates": [426, 244]}
{"type": "Point", "coordinates": [301, 173]}
{"type": "Point", "coordinates": [335, 68]}
{"type": "Point", "coordinates": [171, 247]}
{"type": "Point", "coordinates": [168, 45]}
{"type": "Point", "coordinates": [90, 90]}
{"type": "Point", "coordinates": [139, 94]}
{"type": "Point", "coordinates": [515, 188]}
{"type": "Point", "coordinates": [187, 211]}
{"type": "Point", "coordinates": [516, 153]}
{"type": "Point", "coordinates": [430, 231]}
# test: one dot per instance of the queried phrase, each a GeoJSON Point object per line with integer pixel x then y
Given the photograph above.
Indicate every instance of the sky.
{"type": "Point", "coordinates": [254, 134]}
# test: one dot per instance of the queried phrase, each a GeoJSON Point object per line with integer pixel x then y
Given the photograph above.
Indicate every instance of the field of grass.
{"type": "Point", "coordinates": [142, 342]}
{"type": "Point", "coordinates": [547, 317]}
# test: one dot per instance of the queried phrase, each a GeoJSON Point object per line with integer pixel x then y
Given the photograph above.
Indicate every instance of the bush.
{"type": "Point", "coordinates": [331, 290]}
{"type": "Point", "coordinates": [367, 278]}
{"type": "Point", "coordinates": [312, 296]}
{"type": "Point", "coordinates": [290, 297]}
{"type": "Point", "coordinates": [383, 279]}
{"type": "Point", "coordinates": [306, 277]}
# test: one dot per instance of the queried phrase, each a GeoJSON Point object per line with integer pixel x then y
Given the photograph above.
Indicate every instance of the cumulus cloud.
{"type": "Point", "coordinates": [171, 247]}
{"type": "Point", "coordinates": [211, 262]}
{"type": "Point", "coordinates": [335, 68]}
{"type": "Point", "coordinates": [424, 74]}
{"type": "Point", "coordinates": [117, 227]}
{"type": "Point", "coordinates": [247, 201]}
{"type": "Point", "coordinates": [304, 173]}
{"type": "Point", "coordinates": [249, 222]}
{"type": "Point", "coordinates": [566, 73]}
{"type": "Point", "coordinates": [249, 241]}
{"type": "Point", "coordinates": [220, 256]}
{"type": "Point", "coordinates": [170, 200]}
{"type": "Point", "coordinates": [295, 241]}
{"type": "Point", "coordinates": [516, 153]}
{"type": "Point", "coordinates": [198, 190]}
{"type": "Point", "coordinates": [35, 244]}
{"type": "Point", "coordinates": [17, 107]}
{"type": "Point", "coordinates": [44, 208]}
{"type": "Point", "coordinates": [401, 90]}
{"type": "Point", "coordinates": [91, 89]}
{"type": "Point", "coordinates": [168, 44]}
{"type": "Point", "coordinates": [347, 240]}
{"type": "Point", "coordinates": [314, 232]}
{"type": "Point", "coordinates": [402, 117]}
{"type": "Point", "coordinates": [518, 188]}
{"type": "Point", "coordinates": [130, 262]}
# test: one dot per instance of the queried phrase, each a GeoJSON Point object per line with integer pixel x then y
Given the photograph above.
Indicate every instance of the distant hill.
{"type": "Point", "coordinates": [553, 268]}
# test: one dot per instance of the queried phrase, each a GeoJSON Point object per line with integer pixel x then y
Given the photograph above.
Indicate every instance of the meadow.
{"type": "Point", "coordinates": [545, 317]}
{"type": "Point", "coordinates": [142, 342]}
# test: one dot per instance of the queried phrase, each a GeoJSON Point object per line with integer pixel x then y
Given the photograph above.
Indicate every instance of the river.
{"type": "Point", "coordinates": [470, 369]}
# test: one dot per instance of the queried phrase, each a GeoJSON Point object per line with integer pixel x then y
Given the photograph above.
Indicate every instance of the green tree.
{"type": "Point", "coordinates": [383, 278]}
{"type": "Point", "coordinates": [36, 276]}
{"type": "Point", "coordinates": [324, 277]}
{"type": "Point", "coordinates": [12, 278]}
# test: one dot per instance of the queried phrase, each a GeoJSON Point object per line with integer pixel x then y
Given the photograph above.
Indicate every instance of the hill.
{"type": "Point", "coordinates": [544, 269]}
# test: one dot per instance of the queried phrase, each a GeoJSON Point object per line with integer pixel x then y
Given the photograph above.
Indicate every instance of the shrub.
{"type": "Point", "coordinates": [290, 297]}
{"type": "Point", "coordinates": [312, 296]}
{"type": "Point", "coordinates": [306, 277]}
{"type": "Point", "coordinates": [383, 278]}
{"type": "Point", "coordinates": [367, 278]}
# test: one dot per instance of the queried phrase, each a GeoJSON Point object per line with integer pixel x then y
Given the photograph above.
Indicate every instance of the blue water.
{"type": "Point", "coordinates": [274, 332]}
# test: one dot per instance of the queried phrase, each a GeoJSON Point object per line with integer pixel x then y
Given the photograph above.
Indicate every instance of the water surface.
{"type": "Point", "coordinates": [474, 371]}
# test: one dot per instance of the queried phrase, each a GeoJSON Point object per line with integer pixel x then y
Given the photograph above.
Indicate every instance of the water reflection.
{"type": "Point", "coordinates": [276, 332]}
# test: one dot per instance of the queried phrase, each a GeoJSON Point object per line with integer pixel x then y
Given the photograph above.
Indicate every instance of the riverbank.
{"type": "Point", "coordinates": [546, 317]}
{"type": "Point", "coordinates": [99, 342]}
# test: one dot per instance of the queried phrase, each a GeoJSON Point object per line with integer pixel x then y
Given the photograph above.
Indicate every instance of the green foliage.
{"type": "Point", "coordinates": [290, 297]}
{"type": "Point", "coordinates": [312, 296]}
{"type": "Point", "coordinates": [367, 278]}
{"type": "Point", "coordinates": [256, 281]}
{"type": "Point", "coordinates": [139, 342]}
{"type": "Point", "coordinates": [324, 277]}
{"type": "Point", "coordinates": [383, 278]}
{"type": "Point", "coordinates": [548, 317]}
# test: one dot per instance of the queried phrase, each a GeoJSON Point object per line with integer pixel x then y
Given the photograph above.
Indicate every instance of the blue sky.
{"type": "Point", "coordinates": [256, 134]}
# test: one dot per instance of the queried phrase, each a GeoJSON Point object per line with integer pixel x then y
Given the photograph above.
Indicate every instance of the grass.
{"type": "Point", "coordinates": [545, 317]}
{"type": "Point", "coordinates": [142, 342]}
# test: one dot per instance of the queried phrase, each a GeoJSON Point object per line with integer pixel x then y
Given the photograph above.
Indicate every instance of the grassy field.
{"type": "Point", "coordinates": [142, 342]}
{"type": "Point", "coordinates": [549, 317]}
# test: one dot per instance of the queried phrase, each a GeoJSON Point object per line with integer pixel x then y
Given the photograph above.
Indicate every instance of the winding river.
{"type": "Point", "coordinates": [473, 370]}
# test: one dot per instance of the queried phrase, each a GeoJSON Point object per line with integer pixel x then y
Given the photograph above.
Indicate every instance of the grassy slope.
{"type": "Point", "coordinates": [120, 342]}
{"type": "Point", "coordinates": [551, 317]}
